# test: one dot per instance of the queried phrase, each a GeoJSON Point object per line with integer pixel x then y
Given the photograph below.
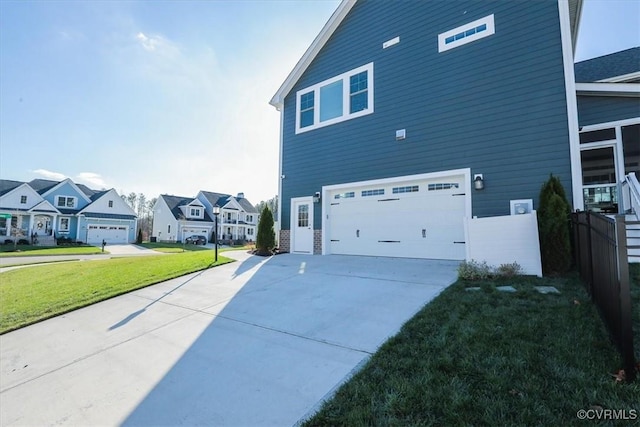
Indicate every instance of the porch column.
{"type": "Point", "coordinates": [31, 221]}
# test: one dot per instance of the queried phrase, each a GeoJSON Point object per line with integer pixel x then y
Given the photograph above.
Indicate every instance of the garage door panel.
{"type": "Point", "coordinates": [417, 224]}
{"type": "Point", "coordinates": [111, 234]}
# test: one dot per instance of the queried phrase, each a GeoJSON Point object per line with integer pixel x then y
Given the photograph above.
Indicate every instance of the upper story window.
{"type": "Point", "coordinates": [335, 100]}
{"type": "Point", "coordinates": [467, 33]}
{"type": "Point", "coordinates": [249, 218]}
{"type": "Point", "coordinates": [66, 202]}
{"type": "Point", "coordinates": [195, 212]}
{"type": "Point", "coordinates": [110, 203]}
{"type": "Point", "coordinates": [23, 200]}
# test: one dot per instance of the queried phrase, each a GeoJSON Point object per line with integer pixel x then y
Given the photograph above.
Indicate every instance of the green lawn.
{"type": "Point", "coordinates": [32, 294]}
{"type": "Point", "coordinates": [171, 247]}
{"type": "Point", "coordinates": [491, 358]}
{"type": "Point", "coordinates": [28, 250]}
{"type": "Point", "coordinates": [179, 247]}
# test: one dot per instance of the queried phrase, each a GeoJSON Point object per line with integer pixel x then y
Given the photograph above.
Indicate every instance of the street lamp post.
{"type": "Point", "coordinates": [216, 212]}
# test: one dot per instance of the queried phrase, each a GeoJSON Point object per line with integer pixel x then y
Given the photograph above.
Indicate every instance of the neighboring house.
{"type": "Point", "coordinates": [175, 218]}
{"type": "Point", "coordinates": [403, 122]}
{"type": "Point", "coordinates": [53, 209]}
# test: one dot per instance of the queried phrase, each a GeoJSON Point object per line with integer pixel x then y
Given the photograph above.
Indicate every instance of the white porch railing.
{"type": "Point", "coordinates": [631, 195]}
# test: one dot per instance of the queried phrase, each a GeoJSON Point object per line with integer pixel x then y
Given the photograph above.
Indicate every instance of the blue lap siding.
{"type": "Point", "coordinates": [602, 109]}
{"type": "Point", "coordinates": [496, 105]}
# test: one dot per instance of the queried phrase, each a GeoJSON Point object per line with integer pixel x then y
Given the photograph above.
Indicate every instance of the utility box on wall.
{"type": "Point", "coordinates": [521, 207]}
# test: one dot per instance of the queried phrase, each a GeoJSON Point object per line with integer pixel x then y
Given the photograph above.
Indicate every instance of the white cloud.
{"type": "Point", "coordinates": [92, 179]}
{"type": "Point", "coordinates": [56, 176]}
{"type": "Point", "coordinates": [148, 43]}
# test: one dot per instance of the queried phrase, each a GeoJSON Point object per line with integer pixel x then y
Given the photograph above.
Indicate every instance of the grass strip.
{"type": "Point", "coordinates": [492, 358]}
{"type": "Point", "coordinates": [30, 295]}
{"type": "Point", "coordinates": [26, 250]}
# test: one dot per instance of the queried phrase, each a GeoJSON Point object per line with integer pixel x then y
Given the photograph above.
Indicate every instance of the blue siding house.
{"type": "Point", "coordinates": [45, 210]}
{"type": "Point", "coordinates": [405, 119]}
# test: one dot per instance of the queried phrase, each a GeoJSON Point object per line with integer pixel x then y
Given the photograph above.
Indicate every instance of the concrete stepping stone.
{"type": "Point", "coordinates": [506, 288]}
{"type": "Point", "coordinates": [547, 289]}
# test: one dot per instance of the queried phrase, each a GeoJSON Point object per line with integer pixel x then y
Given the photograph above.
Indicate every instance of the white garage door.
{"type": "Point", "coordinates": [195, 231]}
{"type": "Point", "coordinates": [415, 219]}
{"type": "Point", "coordinates": [112, 234]}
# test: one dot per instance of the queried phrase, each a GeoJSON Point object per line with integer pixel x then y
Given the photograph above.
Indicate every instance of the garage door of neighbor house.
{"type": "Point", "coordinates": [195, 231]}
{"type": "Point", "coordinates": [112, 234]}
{"type": "Point", "coordinates": [415, 219]}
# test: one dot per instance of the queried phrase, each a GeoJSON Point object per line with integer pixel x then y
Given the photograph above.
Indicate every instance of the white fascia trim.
{"type": "Point", "coordinates": [280, 172]}
{"type": "Point", "coordinates": [575, 30]}
{"type": "Point", "coordinates": [46, 204]}
{"type": "Point", "coordinates": [572, 104]}
{"type": "Point", "coordinates": [313, 50]}
{"type": "Point", "coordinates": [608, 89]}
{"type": "Point", "coordinates": [326, 189]}
{"type": "Point", "coordinates": [621, 79]}
{"type": "Point", "coordinates": [598, 126]}
{"type": "Point", "coordinates": [490, 30]}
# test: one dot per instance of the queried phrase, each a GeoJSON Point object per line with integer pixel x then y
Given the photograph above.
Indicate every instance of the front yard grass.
{"type": "Point", "coordinates": [33, 294]}
{"type": "Point", "coordinates": [171, 247]}
{"type": "Point", "coordinates": [492, 358]}
{"type": "Point", "coordinates": [28, 250]}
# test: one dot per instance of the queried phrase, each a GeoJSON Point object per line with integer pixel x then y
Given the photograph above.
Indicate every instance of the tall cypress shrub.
{"type": "Point", "coordinates": [553, 228]}
{"type": "Point", "coordinates": [266, 238]}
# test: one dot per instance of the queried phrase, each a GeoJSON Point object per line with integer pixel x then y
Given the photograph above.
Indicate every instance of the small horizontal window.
{"type": "Point", "coordinates": [367, 193]}
{"type": "Point", "coordinates": [349, 195]}
{"type": "Point", "coordinates": [467, 33]}
{"type": "Point", "coordinates": [443, 186]}
{"type": "Point", "coordinates": [407, 189]}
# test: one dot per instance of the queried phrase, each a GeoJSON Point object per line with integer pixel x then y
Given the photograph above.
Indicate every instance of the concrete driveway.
{"type": "Point", "coordinates": [256, 342]}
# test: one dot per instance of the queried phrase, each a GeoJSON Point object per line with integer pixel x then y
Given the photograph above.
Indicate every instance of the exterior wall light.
{"type": "Point", "coordinates": [478, 182]}
{"type": "Point", "coordinates": [316, 197]}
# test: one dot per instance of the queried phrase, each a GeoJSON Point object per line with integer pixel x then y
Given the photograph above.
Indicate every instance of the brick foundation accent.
{"type": "Point", "coordinates": [317, 242]}
{"type": "Point", "coordinates": [285, 241]}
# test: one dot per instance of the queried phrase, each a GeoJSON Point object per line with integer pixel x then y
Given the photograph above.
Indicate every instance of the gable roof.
{"type": "Point", "coordinates": [216, 199]}
{"type": "Point", "coordinates": [618, 66]}
{"type": "Point", "coordinates": [174, 203]}
{"type": "Point", "coordinates": [246, 205]}
{"type": "Point", "coordinates": [8, 185]}
{"type": "Point", "coordinates": [343, 9]}
{"type": "Point", "coordinates": [42, 185]}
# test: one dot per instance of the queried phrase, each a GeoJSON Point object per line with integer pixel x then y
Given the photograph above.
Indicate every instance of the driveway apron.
{"type": "Point", "coordinates": [261, 341]}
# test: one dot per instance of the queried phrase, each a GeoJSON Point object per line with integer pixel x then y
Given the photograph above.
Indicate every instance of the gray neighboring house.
{"type": "Point", "coordinates": [177, 217]}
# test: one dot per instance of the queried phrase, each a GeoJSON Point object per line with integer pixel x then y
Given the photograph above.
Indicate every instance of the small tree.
{"type": "Point", "coordinates": [266, 238]}
{"type": "Point", "coordinates": [139, 238]}
{"type": "Point", "coordinates": [553, 227]}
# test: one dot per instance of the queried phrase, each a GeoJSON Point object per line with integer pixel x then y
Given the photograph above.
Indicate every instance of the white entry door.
{"type": "Point", "coordinates": [302, 225]}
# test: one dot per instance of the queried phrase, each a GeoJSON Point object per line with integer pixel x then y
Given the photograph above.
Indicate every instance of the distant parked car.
{"type": "Point", "coordinates": [195, 240]}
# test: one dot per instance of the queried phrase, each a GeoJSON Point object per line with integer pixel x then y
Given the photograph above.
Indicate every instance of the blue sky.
{"type": "Point", "coordinates": [172, 96]}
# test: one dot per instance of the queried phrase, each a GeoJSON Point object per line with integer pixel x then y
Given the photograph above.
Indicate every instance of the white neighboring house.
{"type": "Point", "coordinates": [176, 217]}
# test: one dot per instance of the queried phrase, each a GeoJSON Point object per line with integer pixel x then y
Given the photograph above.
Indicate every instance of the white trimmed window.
{"type": "Point", "coordinates": [467, 33]}
{"type": "Point", "coordinates": [195, 212]}
{"type": "Point", "coordinates": [66, 202]}
{"type": "Point", "coordinates": [335, 100]}
{"type": "Point", "coordinates": [63, 225]}
{"type": "Point", "coordinates": [23, 200]}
